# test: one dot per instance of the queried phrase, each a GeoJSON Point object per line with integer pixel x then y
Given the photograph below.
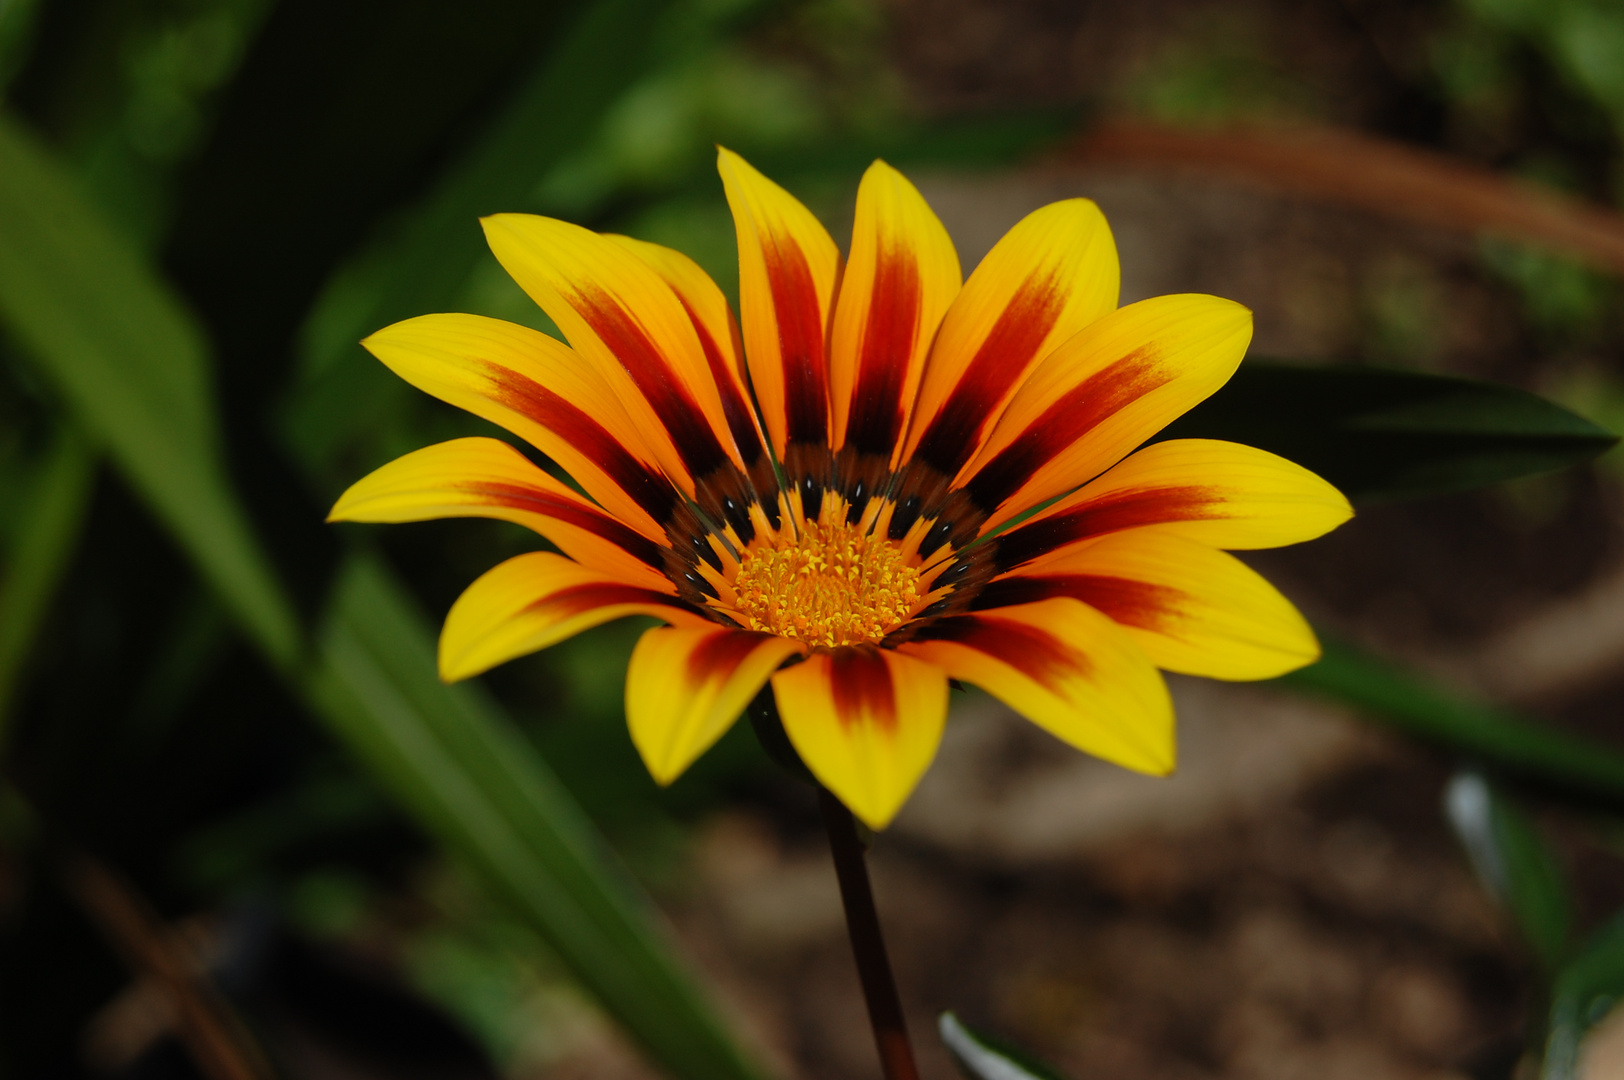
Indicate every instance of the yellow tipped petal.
{"type": "Point", "coordinates": [788, 267]}
{"type": "Point", "coordinates": [1051, 275]}
{"type": "Point", "coordinates": [532, 601]}
{"type": "Point", "coordinates": [1066, 668]}
{"type": "Point", "coordinates": [866, 721]}
{"type": "Point", "coordinates": [537, 388]}
{"type": "Point", "coordinates": [479, 477]}
{"type": "Point", "coordinates": [902, 276]}
{"type": "Point", "coordinates": [623, 318]}
{"type": "Point", "coordinates": [1104, 392]}
{"type": "Point", "coordinates": [686, 685]}
{"type": "Point", "coordinates": [1191, 608]}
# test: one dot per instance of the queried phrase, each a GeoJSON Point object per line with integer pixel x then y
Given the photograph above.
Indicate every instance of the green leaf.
{"type": "Point", "coordinates": [1586, 991]}
{"type": "Point", "coordinates": [1513, 863]}
{"type": "Point", "coordinates": [50, 517]}
{"type": "Point", "coordinates": [449, 754]}
{"type": "Point", "coordinates": [1379, 434]}
{"type": "Point", "coordinates": [1515, 747]}
{"type": "Point", "coordinates": [124, 355]}
{"type": "Point", "coordinates": [982, 1057]}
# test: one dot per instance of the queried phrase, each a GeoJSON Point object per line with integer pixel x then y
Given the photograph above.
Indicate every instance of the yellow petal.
{"type": "Point", "coordinates": [536, 600]}
{"type": "Point", "coordinates": [686, 685]}
{"type": "Point", "coordinates": [1104, 392]}
{"type": "Point", "coordinates": [1191, 608]}
{"type": "Point", "coordinates": [718, 336]}
{"type": "Point", "coordinates": [1051, 275]}
{"type": "Point", "coordinates": [788, 267]}
{"type": "Point", "coordinates": [1066, 668]}
{"type": "Point", "coordinates": [621, 316]}
{"type": "Point", "coordinates": [1221, 494]}
{"type": "Point", "coordinates": [479, 477]}
{"type": "Point", "coordinates": [902, 276]}
{"type": "Point", "coordinates": [866, 721]}
{"type": "Point", "coordinates": [537, 388]}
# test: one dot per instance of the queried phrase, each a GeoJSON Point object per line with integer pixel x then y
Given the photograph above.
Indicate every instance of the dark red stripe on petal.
{"type": "Point", "coordinates": [719, 655]}
{"type": "Point", "coordinates": [1143, 604]}
{"type": "Point", "coordinates": [1005, 354]}
{"type": "Point", "coordinates": [1038, 655]}
{"type": "Point", "coordinates": [859, 684]}
{"type": "Point", "coordinates": [875, 421]}
{"type": "Point", "coordinates": [690, 432]}
{"type": "Point", "coordinates": [578, 599]}
{"type": "Point", "coordinates": [1111, 513]}
{"type": "Point", "coordinates": [734, 408]}
{"type": "Point", "coordinates": [800, 341]}
{"type": "Point", "coordinates": [1073, 415]}
{"type": "Point", "coordinates": [529, 398]}
{"type": "Point", "coordinates": [539, 501]}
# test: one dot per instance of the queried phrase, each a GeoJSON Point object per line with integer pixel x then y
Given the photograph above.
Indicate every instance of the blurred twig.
{"type": "Point", "coordinates": [215, 1037]}
{"type": "Point", "coordinates": [1373, 174]}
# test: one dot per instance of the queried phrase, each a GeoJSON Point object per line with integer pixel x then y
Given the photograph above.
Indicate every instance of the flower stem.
{"type": "Point", "coordinates": [863, 924]}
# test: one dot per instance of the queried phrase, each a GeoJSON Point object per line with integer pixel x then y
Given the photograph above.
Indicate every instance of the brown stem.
{"type": "Point", "coordinates": [863, 924]}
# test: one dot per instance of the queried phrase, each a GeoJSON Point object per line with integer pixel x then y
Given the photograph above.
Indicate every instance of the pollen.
{"type": "Point", "coordinates": [832, 585]}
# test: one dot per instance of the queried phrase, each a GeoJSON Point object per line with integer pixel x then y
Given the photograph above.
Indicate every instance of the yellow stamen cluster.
{"type": "Point", "coordinates": [832, 585]}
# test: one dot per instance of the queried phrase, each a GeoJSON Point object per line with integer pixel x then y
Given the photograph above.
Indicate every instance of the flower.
{"type": "Point", "coordinates": [839, 500]}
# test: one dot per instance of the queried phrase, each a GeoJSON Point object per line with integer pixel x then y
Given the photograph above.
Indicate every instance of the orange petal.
{"type": "Point", "coordinates": [686, 685]}
{"type": "Point", "coordinates": [1051, 275]}
{"type": "Point", "coordinates": [1221, 494]}
{"type": "Point", "coordinates": [866, 721]}
{"type": "Point", "coordinates": [788, 267]}
{"type": "Point", "coordinates": [902, 276]}
{"type": "Point", "coordinates": [625, 320]}
{"type": "Point", "coordinates": [537, 388]}
{"type": "Point", "coordinates": [479, 477]}
{"type": "Point", "coordinates": [1191, 608]}
{"type": "Point", "coordinates": [1068, 669]}
{"type": "Point", "coordinates": [718, 336]}
{"type": "Point", "coordinates": [1103, 393]}
{"type": "Point", "coordinates": [536, 600]}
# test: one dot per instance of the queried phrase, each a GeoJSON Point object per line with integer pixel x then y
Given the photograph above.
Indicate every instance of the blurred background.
{"type": "Point", "coordinates": [212, 822]}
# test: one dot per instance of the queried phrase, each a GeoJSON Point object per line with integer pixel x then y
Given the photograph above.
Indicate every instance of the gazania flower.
{"type": "Point", "coordinates": [840, 500]}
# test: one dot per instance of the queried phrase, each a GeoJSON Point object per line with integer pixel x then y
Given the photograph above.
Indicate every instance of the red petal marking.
{"type": "Point", "coordinates": [1038, 655]}
{"type": "Point", "coordinates": [800, 340]}
{"type": "Point", "coordinates": [1110, 513]}
{"type": "Point", "coordinates": [589, 438]}
{"type": "Point", "coordinates": [538, 501]}
{"type": "Point", "coordinates": [581, 598]}
{"type": "Point", "coordinates": [875, 420]}
{"type": "Point", "coordinates": [652, 373]}
{"type": "Point", "coordinates": [859, 682]}
{"type": "Point", "coordinates": [1144, 604]}
{"type": "Point", "coordinates": [734, 407]}
{"type": "Point", "coordinates": [1008, 350]}
{"type": "Point", "coordinates": [1067, 419]}
{"type": "Point", "coordinates": [720, 654]}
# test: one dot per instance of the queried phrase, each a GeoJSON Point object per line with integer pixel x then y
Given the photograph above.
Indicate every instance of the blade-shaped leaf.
{"type": "Point", "coordinates": [1513, 863]}
{"type": "Point", "coordinates": [982, 1057]}
{"type": "Point", "coordinates": [1516, 748]}
{"type": "Point", "coordinates": [121, 351]}
{"type": "Point", "coordinates": [1586, 991]}
{"type": "Point", "coordinates": [126, 357]}
{"type": "Point", "coordinates": [1379, 434]}
{"type": "Point", "coordinates": [50, 520]}
{"type": "Point", "coordinates": [448, 753]}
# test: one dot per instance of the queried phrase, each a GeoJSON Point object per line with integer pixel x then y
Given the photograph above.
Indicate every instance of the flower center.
{"type": "Point", "coordinates": [834, 585]}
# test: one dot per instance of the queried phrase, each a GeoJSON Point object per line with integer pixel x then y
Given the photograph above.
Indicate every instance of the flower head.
{"type": "Point", "coordinates": [839, 500]}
